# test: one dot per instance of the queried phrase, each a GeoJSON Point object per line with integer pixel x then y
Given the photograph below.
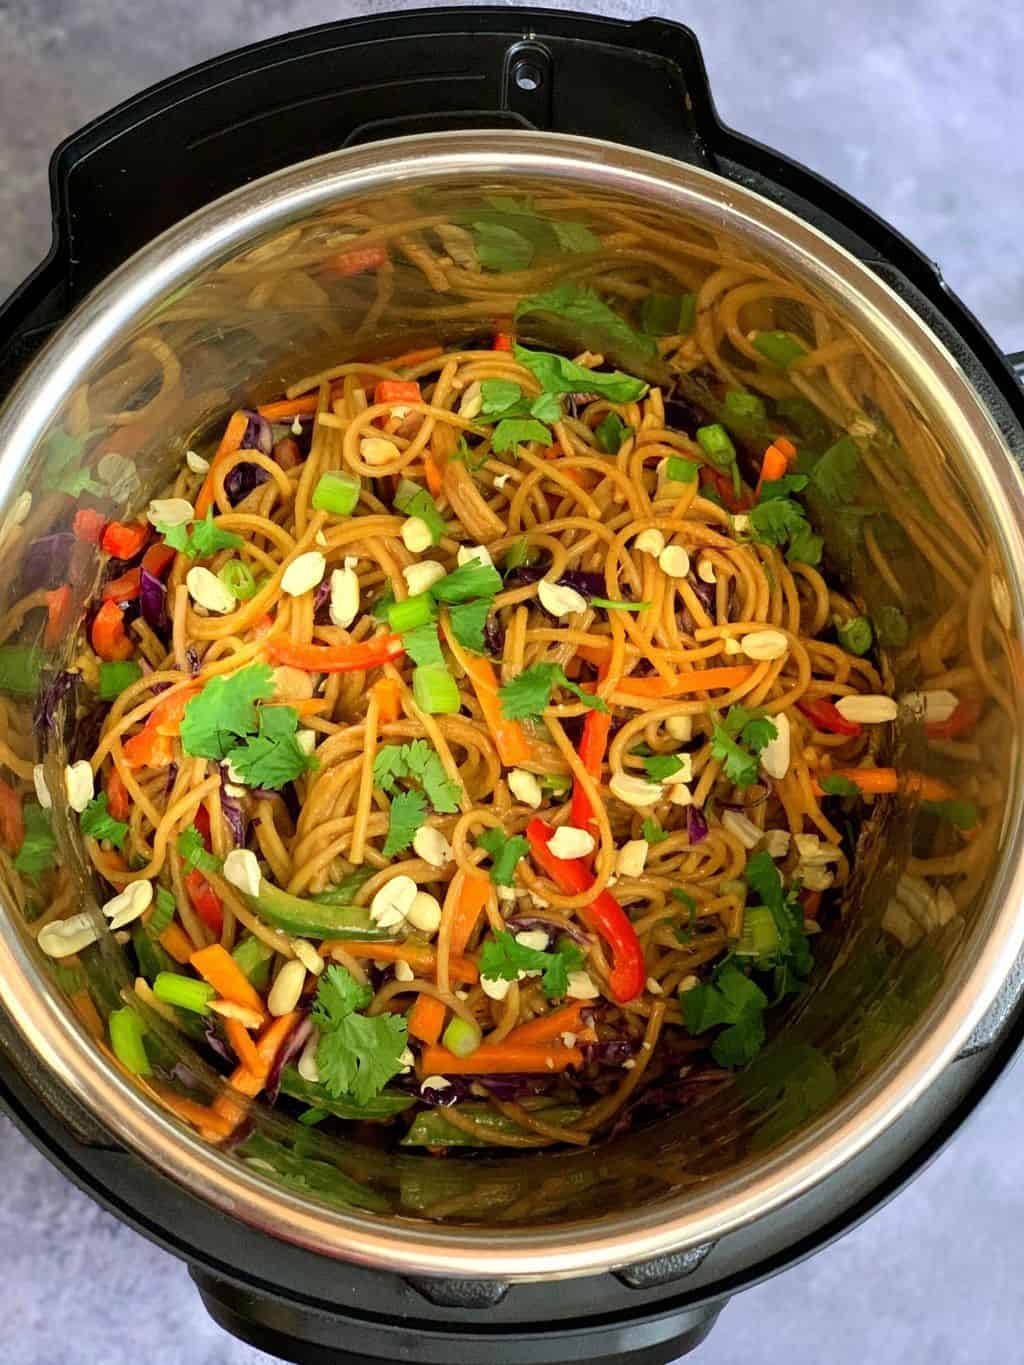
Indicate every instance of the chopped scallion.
{"type": "Point", "coordinates": [461, 1037]}
{"type": "Point", "coordinates": [679, 470]}
{"type": "Point", "coordinates": [238, 578]}
{"type": "Point", "coordinates": [760, 937]}
{"type": "Point", "coordinates": [743, 407]}
{"type": "Point", "coordinates": [435, 690]}
{"type": "Point", "coordinates": [414, 611]}
{"type": "Point", "coordinates": [114, 678]}
{"type": "Point", "coordinates": [856, 635]}
{"type": "Point", "coordinates": [184, 991]}
{"type": "Point", "coordinates": [337, 492]}
{"type": "Point", "coordinates": [717, 445]}
{"type": "Point", "coordinates": [127, 1038]}
{"type": "Point", "coordinates": [780, 348]}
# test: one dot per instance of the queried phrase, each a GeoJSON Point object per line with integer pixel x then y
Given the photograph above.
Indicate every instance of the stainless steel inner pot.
{"type": "Point", "coordinates": [226, 309]}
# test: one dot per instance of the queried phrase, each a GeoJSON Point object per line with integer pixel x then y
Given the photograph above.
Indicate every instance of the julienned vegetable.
{"type": "Point", "coordinates": [309, 919]}
{"type": "Point", "coordinates": [355, 658]}
{"type": "Point", "coordinates": [337, 492]}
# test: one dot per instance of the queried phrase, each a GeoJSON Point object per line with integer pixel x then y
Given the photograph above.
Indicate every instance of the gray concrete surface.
{"type": "Point", "coordinates": [916, 108]}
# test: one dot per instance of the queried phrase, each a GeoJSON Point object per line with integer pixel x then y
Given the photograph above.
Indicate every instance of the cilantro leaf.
{"type": "Point", "coordinates": [473, 579]}
{"type": "Point", "coordinates": [741, 728]}
{"type": "Point", "coordinates": [837, 785]}
{"type": "Point", "coordinates": [356, 1055]}
{"type": "Point", "coordinates": [408, 812]}
{"type": "Point", "coordinates": [192, 850]}
{"type": "Point", "coordinates": [732, 999]}
{"type": "Point", "coordinates": [503, 959]}
{"type": "Point", "coordinates": [575, 238]}
{"type": "Point", "coordinates": [500, 397]}
{"type": "Point", "coordinates": [774, 521]}
{"type": "Point", "coordinates": [422, 645]}
{"type": "Point", "coordinates": [98, 823]}
{"type": "Point", "coordinates": [388, 767]}
{"type": "Point", "coordinates": [63, 452]}
{"type": "Point", "coordinates": [684, 898]}
{"type": "Point", "coordinates": [837, 475]}
{"type": "Point", "coordinates": [963, 814]}
{"type": "Point", "coordinates": [38, 846]}
{"type": "Point", "coordinates": [611, 433]}
{"type": "Point", "coordinates": [793, 959]}
{"type": "Point", "coordinates": [273, 758]}
{"type": "Point", "coordinates": [75, 483]}
{"type": "Point", "coordinates": [805, 547]}
{"type": "Point", "coordinates": [224, 711]}
{"type": "Point", "coordinates": [506, 853]}
{"type": "Point", "coordinates": [557, 374]}
{"type": "Point", "coordinates": [587, 315]}
{"type": "Point", "coordinates": [424, 764]}
{"type": "Point", "coordinates": [652, 831]}
{"type": "Point", "coordinates": [468, 620]}
{"type": "Point", "coordinates": [501, 248]}
{"type": "Point", "coordinates": [662, 766]}
{"type": "Point", "coordinates": [546, 407]}
{"type": "Point", "coordinates": [199, 539]}
{"type": "Point", "coordinates": [515, 431]}
{"type": "Point", "coordinates": [781, 488]}
{"type": "Point", "coordinates": [528, 694]}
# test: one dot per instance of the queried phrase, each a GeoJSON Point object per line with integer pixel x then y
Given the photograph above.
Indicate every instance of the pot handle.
{"type": "Point", "coordinates": [189, 140]}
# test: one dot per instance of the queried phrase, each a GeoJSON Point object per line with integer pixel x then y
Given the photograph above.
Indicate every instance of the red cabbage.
{"type": "Point", "coordinates": [259, 434]}
{"type": "Point", "coordinates": [696, 825]}
{"type": "Point", "coordinates": [583, 581]}
{"type": "Point", "coordinates": [511, 1086]}
{"type": "Point", "coordinates": [520, 922]}
{"type": "Point", "coordinates": [172, 777]}
{"type": "Point", "coordinates": [292, 1046]}
{"type": "Point", "coordinates": [705, 592]}
{"type": "Point", "coordinates": [242, 479]}
{"type": "Point", "coordinates": [45, 563]}
{"type": "Point", "coordinates": [494, 635]}
{"type": "Point", "coordinates": [54, 688]}
{"type": "Point", "coordinates": [217, 1044]}
{"type": "Point", "coordinates": [456, 1089]}
{"type": "Point", "coordinates": [85, 735]}
{"type": "Point", "coordinates": [234, 817]}
{"type": "Point", "coordinates": [192, 659]}
{"type": "Point", "coordinates": [610, 1052]}
{"type": "Point", "coordinates": [152, 600]}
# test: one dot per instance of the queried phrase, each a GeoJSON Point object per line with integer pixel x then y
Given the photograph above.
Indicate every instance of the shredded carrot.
{"type": "Point", "coordinates": [689, 680]}
{"type": "Point", "coordinates": [509, 736]}
{"type": "Point", "coordinates": [882, 781]}
{"type": "Point", "coordinates": [434, 474]}
{"type": "Point", "coordinates": [230, 442]}
{"type": "Point", "coordinates": [175, 941]}
{"type": "Point", "coordinates": [269, 1042]}
{"type": "Point", "coordinates": [245, 1048]}
{"type": "Point", "coordinates": [775, 463]}
{"type": "Point", "coordinates": [420, 957]}
{"type": "Point", "coordinates": [547, 1027]}
{"type": "Point", "coordinates": [249, 1082]}
{"type": "Point", "coordinates": [501, 1059]}
{"type": "Point", "coordinates": [82, 1004]}
{"type": "Point", "coordinates": [212, 1124]}
{"type": "Point", "coordinates": [216, 965]}
{"type": "Point", "coordinates": [426, 1018]}
{"type": "Point", "coordinates": [290, 407]}
{"type": "Point", "coordinates": [224, 1107]}
{"type": "Point", "coordinates": [388, 700]}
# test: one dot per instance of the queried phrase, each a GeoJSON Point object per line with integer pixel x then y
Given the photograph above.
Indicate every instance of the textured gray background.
{"type": "Point", "coordinates": [917, 108]}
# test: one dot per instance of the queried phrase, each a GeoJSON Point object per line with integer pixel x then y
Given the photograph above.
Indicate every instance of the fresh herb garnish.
{"type": "Point", "coordinates": [732, 999]}
{"type": "Point", "coordinates": [611, 432]}
{"type": "Point", "coordinates": [837, 785]}
{"type": "Point", "coordinates": [737, 743]}
{"type": "Point", "coordinates": [422, 645]}
{"type": "Point", "coordinates": [502, 959]}
{"type": "Point", "coordinates": [837, 475]}
{"type": "Point", "coordinates": [528, 694]}
{"type": "Point", "coordinates": [199, 539]}
{"type": "Point", "coordinates": [779, 520]}
{"type": "Point", "coordinates": [506, 852]}
{"type": "Point", "coordinates": [356, 1055]}
{"type": "Point", "coordinates": [224, 712]}
{"type": "Point", "coordinates": [192, 851]}
{"type": "Point", "coordinates": [412, 762]}
{"type": "Point", "coordinates": [473, 579]}
{"type": "Point", "coordinates": [468, 620]}
{"type": "Point", "coordinates": [273, 758]}
{"type": "Point", "coordinates": [652, 831]}
{"type": "Point", "coordinates": [516, 431]}
{"type": "Point", "coordinates": [587, 315]}
{"type": "Point", "coordinates": [98, 823]}
{"type": "Point", "coordinates": [408, 812]}
{"type": "Point", "coordinates": [38, 846]}
{"type": "Point", "coordinates": [792, 960]}
{"type": "Point", "coordinates": [659, 767]}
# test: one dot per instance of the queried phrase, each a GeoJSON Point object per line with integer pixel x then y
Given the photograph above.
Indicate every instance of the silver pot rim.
{"type": "Point", "coordinates": [947, 398]}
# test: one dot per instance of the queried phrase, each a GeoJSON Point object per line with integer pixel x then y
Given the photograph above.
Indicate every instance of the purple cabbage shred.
{"type": "Point", "coordinates": [152, 600]}
{"type": "Point", "coordinates": [45, 563]}
{"type": "Point", "coordinates": [293, 1045]}
{"type": "Point", "coordinates": [696, 825]}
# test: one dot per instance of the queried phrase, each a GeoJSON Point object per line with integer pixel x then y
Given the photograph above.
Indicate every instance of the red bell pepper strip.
{"type": "Point", "coordinates": [88, 525]}
{"type": "Point", "coordinates": [12, 825]}
{"type": "Point", "coordinates": [397, 391]}
{"type": "Point", "coordinates": [124, 539]}
{"type": "Point", "coordinates": [356, 261]}
{"type": "Point", "coordinates": [123, 589]}
{"type": "Point", "coordinates": [502, 341]}
{"type": "Point", "coordinates": [964, 718]}
{"type": "Point", "coordinates": [828, 717]}
{"type": "Point", "coordinates": [596, 729]}
{"type": "Point", "coordinates": [108, 634]}
{"type": "Point", "coordinates": [205, 901]}
{"type": "Point", "coordinates": [382, 649]}
{"type": "Point", "coordinates": [158, 558]}
{"type": "Point", "coordinates": [58, 614]}
{"type": "Point", "coordinates": [605, 916]}
{"type": "Point", "coordinates": [118, 800]}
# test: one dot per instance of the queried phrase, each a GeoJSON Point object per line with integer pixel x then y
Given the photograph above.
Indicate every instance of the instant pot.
{"type": "Point", "coordinates": [190, 223]}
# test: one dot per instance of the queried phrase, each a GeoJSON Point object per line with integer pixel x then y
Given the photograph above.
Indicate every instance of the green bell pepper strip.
{"type": "Point", "coordinates": [308, 919]}
{"type": "Point", "coordinates": [385, 1106]}
{"type": "Point", "coordinates": [432, 1129]}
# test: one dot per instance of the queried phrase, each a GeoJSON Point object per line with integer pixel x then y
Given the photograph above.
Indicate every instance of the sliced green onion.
{"type": "Point", "coordinates": [380, 608]}
{"type": "Point", "coordinates": [781, 348]}
{"type": "Point", "coordinates": [184, 991]}
{"type": "Point", "coordinates": [312, 1117]}
{"type": "Point", "coordinates": [679, 470]}
{"type": "Point", "coordinates": [162, 913]}
{"type": "Point", "coordinates": [435, 690]}
{"type": "Point", "coordinates": [127, 1038]}
{"type": "Point", "coordinates": [413, 612]}
{"type": "Point", "coordinates": [717, 445]}
{"type": "Point", "coordinates": [114, 678]}
{"type": "Point", "coordinates": [556, 783]}
{"type": "Point", "coordinates": [516, 554]}
{"type": "Point", "coordinates": [238, 578]}
{"type": "Point", "coordinates": [461, 1037]}
{"type": "Point", "coordinates": [743, 407]}
{"type": "Point", "coordinates": [20, 669]}
{"type": "Point", "coordinates": [891, 627]}
{"type": "Point", "coordinates": [253, 957]}
{"type": "Point", "coordinates": [609, 605]}
{"type": "Point", "coordinates": [856, 635]}
{"type": "Point", "coordinates": [337, 491]}
{"type": "Point", "coordinates": [415, 501]}
{"type": "Point", "coordinates": [664, 315]}
{"type": "Point", "coordinates": [760, 937]}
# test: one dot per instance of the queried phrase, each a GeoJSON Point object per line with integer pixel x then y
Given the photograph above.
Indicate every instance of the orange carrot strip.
{"type": "Point", "coordinates": [290, 407]}
{"type": "Point", "coordinates": [245, 1048]}
{"type": "Point", "coordinates": [212, 1125]}
{"type": "Point", "coordinates": [426, 1019]}
{"type": "Point", "coordinates": [421, 958]}
{"type": "Point", "coordinates": [502, 1059]}
{"type": "Point", "coordinates": [12, 823]}
{"type": "Point", "coordinates": [773, 466]}
{"type": "Point", "coordinates": [230, 442]}
{"type": "Point", "coordinates": [882, 781]}
{"type": "Point", "coordinates": [216, 965]}
{"type": "Point", "coordinates": [548, 1027]}
{"type": "Point", "coordinates": [176, 942]}
{"type": "Point", "coordinates": [689, 680]}
{"type": "Point", "coordinates": [434, 474]}
{"type": "Point", "coordinates": [269, 1042]}
{"type": "Point", "coordinates": [388, 700]}
{"type": "Point", "coordinates": [509, 736]}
